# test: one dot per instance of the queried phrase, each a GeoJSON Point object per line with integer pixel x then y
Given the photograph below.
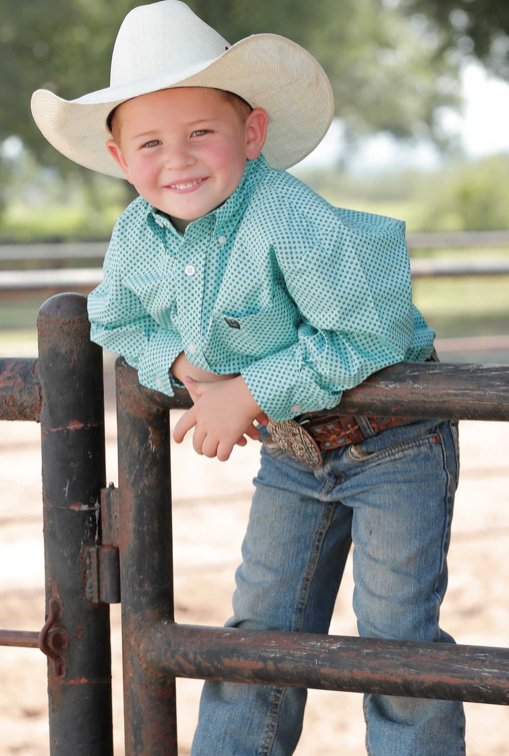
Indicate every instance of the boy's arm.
{"type": "Point", "coordinates": [182, 367]}
{"type": "Point", "coordinates": [120, 323]}
{"type": "Point", "coordinates": [353, 290]}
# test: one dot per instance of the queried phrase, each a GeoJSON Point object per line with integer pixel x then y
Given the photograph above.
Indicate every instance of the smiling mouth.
{"type": "Point", "coordinates": [185, 187]}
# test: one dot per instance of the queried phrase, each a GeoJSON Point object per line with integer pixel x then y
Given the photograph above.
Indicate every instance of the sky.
{"type": "Point", "coordinates": [483, 128]}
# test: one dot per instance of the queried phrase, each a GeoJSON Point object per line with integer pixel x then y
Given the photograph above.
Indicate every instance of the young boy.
{"type": "Point", "coordinates": [229, 270]}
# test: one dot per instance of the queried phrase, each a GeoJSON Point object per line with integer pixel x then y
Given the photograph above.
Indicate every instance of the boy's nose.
{"type": "Point", "coordinates": [177, 157]}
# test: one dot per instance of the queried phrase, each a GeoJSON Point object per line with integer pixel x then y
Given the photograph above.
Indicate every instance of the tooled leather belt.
{"type": "Point", "coordinates": [304, 437]}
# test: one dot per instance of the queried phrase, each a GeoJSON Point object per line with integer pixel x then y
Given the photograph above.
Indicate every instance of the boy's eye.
{"type": "Point", "coordinates": [201, 132]}
{"type": "Point", "coordinates": [154, 141]}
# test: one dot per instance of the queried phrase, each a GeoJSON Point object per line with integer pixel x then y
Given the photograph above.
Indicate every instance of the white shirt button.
{"type": "Point", "coordinates": [192, 348]}
{"type": "Point", "coordinates": [190, 270]}
{"type": "Point", "coordinates": [295, 408]}
{"type": "Point", "coordinates": [159, 222]}
{"type": "Point", "coordinates": [222, 239]}
{"type": "Point", "coordinates": [159, 382]}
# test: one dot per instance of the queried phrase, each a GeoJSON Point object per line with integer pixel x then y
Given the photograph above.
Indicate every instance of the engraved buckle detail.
{"type": "Point", "coordinates": [296, 442]}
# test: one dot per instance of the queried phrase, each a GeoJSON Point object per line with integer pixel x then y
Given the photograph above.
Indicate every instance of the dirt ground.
{"type": "Point", "coordinates": [211, 504]}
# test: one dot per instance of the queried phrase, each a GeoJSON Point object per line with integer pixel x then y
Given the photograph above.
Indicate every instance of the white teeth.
{"type": "Point", "coordinates": [184, 186]}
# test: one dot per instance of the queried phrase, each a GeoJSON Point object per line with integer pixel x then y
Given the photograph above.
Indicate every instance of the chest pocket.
{"type": "Point", "coordinates": [252, 335]}
{"type": "Point", "coordinates": [157, 294]}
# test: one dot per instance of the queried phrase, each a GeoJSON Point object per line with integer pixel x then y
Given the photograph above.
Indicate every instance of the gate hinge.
{"type": "Point", "coordinates": [102, 559]}
{"type": "Point", "coordinates": [103, 574]}
{"type": "Point", "coordinates": [109, 515]}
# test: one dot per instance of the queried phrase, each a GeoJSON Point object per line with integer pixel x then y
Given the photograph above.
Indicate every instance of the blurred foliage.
{"type": "Point", "coordinates": [471, 196]}
{"type": "Point", "coordinates": [385, 74]}
{"type": "Point", "coordinates": [43, 204]}
{"type": "Point", "coordinates": [465, 27]}
{"type": "Point", "coordinates": [393, 65]}
{"type": "Point", "coordinates": [462, 196]}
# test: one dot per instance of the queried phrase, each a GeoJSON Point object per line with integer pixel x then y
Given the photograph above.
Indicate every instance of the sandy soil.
{"type": "Point", "coordinates": [211, 504]}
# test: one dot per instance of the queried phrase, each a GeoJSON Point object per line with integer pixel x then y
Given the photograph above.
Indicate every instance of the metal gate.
{"type": "Point", "coordinates": [104, 544]}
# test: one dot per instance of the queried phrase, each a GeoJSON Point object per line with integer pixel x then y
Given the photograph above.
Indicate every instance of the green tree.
{"type": "Point", "coordinates": [470, 197]}
{"type": "Point", "coordinates": [385, 74]}
{"type": "Point", "coordinates": [467, 27]}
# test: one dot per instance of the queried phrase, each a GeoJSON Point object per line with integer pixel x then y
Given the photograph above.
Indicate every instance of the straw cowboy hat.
{"type": "Point", "coordinates": [164, 45]}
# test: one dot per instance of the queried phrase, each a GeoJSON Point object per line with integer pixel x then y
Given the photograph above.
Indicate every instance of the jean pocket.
{"type": "Point", "coordinates": [357, 454]}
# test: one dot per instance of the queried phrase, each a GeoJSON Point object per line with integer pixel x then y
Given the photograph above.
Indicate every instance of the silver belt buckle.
{"type": "Point", "coordinates": [296, 442]}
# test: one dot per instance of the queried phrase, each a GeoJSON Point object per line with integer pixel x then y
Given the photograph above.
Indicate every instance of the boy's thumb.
{"type": "Point", "coordinates": [192, 382]}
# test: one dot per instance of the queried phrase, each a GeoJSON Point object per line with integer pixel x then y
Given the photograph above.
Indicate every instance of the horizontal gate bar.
{"type": "Point", "coordinates": [304, 660]}
{"type": "Point", "coordinates": [408, 389]}
{"type": "Point", "coordinates": [20, 389]}
{"type": "Point", "coordinates": [20, 638]}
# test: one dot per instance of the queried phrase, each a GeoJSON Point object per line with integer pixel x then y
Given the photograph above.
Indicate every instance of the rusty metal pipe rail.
{"type": "Point", "coordinates": [408, 389]}
{"type": "Point", "coordinates": [19, 638]}
{"type": "Point", "coordinates": [156, 650]}
{"type": "Point", "coordinates": [20, 389]}
{"type": "Point", "coordinates": [305, 660]}
{"type": "Point", "coordinates": [85, 524]}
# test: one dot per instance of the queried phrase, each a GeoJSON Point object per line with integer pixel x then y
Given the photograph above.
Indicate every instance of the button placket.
{"type": "Point", "coordinates": [193, 277]}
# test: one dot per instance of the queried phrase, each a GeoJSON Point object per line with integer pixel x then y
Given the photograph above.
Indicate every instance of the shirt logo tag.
{"type": "Point", "coordinates": [232, 323]}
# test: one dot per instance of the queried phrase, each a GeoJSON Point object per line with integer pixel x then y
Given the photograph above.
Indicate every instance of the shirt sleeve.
{"type": "Point", "coordinates": [119, 322]}
{"type": "Point", "coordinates": [353, 290]}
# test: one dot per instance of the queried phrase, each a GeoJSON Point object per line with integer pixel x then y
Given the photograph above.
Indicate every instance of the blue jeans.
{"type": "Point", "coordinates": [393, 496]}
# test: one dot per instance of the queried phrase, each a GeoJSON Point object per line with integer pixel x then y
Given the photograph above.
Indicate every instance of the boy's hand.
{"type": "Point", "coordinates": [252, 432]}
{"type": "Point", "coordinates": [223, 412]}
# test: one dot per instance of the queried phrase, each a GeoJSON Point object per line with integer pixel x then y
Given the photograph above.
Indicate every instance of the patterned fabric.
{"type": "Point", "coordinates": [302, 298]}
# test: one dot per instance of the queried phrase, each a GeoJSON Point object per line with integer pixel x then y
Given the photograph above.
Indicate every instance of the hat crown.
{"type": "Point", "coordinates": [163, 37]}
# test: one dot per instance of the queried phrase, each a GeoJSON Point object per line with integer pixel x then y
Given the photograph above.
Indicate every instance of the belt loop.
{"type": "Point", "coordinates": [365, 426]}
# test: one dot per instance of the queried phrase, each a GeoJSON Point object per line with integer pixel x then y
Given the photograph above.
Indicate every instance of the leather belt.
{"type": "Point", "coordinates": [304, 437]}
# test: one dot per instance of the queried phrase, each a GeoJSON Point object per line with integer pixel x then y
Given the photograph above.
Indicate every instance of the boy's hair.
{"type": "Point", "coordinates": [241, 107]}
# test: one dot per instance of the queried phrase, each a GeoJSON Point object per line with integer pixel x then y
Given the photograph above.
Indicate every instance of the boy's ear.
{"type": "Point", "coordinates": [116, 153]}
{"type": "Point", "coordinates": [256, 132]}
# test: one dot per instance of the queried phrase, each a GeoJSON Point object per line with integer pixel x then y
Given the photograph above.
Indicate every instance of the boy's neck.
{"type": "Point", "coordinates": [180, 224]}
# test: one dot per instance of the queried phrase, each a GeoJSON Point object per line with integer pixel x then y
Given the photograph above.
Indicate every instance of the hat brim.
{"type": "Point", "coordinates": [267, 70]}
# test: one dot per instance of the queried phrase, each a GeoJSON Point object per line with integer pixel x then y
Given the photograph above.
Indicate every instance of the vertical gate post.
{"type": "Point", "coordinates": [146, 571]}
{"type": "Point", "coordinates": [73, 472]}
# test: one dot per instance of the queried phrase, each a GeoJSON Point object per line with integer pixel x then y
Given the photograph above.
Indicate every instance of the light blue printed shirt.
{"type": "Point", "coordinates": [301, 298]}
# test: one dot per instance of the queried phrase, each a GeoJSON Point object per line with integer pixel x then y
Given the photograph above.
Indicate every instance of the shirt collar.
{"type": "Point", "coordinates": [227, 215]}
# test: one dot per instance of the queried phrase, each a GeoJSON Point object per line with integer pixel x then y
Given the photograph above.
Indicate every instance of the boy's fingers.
{"type": "Point", "coordinates": [185, 424]}
{"type": "Point", "coordinates": [199, 437]}
{"type": "Point", "coordinates": [262, 418]}
{"type": "Point", "coordinates": [242, 441]}
{"type": "Point", "coordinates": [209, 446]}
{"type": "Point", "coordinates": [252, 432]}
{"type": "Point", "coordinates": [224, 450]}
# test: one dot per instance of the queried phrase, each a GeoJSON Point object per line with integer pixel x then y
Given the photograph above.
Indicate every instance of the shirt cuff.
{"type": "Point", "coordinates": [156, 360]}
{"type": "Point", "coordinates": [284, 386]}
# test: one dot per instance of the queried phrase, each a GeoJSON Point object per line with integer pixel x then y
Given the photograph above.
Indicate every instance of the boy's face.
{"type": "Point", "coordinates": [185, 149]}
